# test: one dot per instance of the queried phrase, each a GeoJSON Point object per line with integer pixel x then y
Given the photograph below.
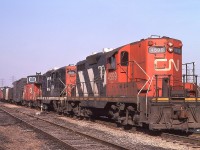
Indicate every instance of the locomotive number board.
{"type": "Point", "coordinates": [155, 50]}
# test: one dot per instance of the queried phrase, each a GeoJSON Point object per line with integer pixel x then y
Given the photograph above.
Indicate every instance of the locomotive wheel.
{"type": "Point", "coordinates": [30, 104]}
{"type": "Point", "coordinates": [44, 107]}
{"type": "Point", "coordinates": [23, 103]}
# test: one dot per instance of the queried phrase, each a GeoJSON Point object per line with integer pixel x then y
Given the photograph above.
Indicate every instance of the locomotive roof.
{"type": "Point", "coordinates": [20, 80]}
{"type": "Point", "coordinates": [111, 53]}
{"type": "Point", "coordinates": [49, 71]}
{"type": "Point", "coordinates": [81, 62]}
{"type": "Point", "coordinates": [4, 87]}
{"type": "Point", "coordinates": [91, 58]}
{"type": "Point", "coordinates": [59, 69]}
{"type": "Point", "coordinates": [53, 70]}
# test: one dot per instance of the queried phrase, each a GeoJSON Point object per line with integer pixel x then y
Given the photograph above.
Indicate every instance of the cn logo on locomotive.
{"type": "Point", "coordinates": [171, 62]}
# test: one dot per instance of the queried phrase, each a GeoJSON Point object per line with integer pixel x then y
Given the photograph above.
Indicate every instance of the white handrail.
{"type": "Point", "coordinates": [197, 88]}
{"type": "Point", "coordinates": [64, 87]}
{"type": "Point", "coordinates": [138, 99]}
{"type": "Point", "coordinates": [148, 92]}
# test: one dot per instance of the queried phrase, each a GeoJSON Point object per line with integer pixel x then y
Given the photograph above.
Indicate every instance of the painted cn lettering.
{"type": "Point", "coordinates": [171, 62]}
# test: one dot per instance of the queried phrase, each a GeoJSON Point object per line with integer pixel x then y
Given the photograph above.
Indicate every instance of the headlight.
{"type": "Point", "coordinates": [170, 49]}
{"type": "Point", "coordinates": [150, 43]}
{"type": "Point", "coordinates": [170, 44]}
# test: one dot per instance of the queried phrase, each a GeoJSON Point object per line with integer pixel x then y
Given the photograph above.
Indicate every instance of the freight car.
{"type": "Point", "coordinates": [138, 84]}
{"type": "Point", "coordinates": [6, 92]}
{"type": "Point", "coordinates": [18, 88]}
{"type": "Point", "coordinates": [10, 94]}
{"type": "Point", "coordinates": [1, 94]}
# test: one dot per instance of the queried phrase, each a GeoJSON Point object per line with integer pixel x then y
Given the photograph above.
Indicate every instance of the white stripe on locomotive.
{"type": "Point", "coordinates": [92, 82]}
{"type": "Point", "coordinates": [83, 85]}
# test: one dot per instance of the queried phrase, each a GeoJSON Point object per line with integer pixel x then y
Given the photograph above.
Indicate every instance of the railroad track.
{"type": "Point", "coordinates": [191, 141]}
{"type": "Point", "coordinates": [68, 137]}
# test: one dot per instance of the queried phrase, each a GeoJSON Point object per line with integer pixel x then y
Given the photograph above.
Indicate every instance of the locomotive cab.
{"type": "Point", "coordinates": [120, 73]}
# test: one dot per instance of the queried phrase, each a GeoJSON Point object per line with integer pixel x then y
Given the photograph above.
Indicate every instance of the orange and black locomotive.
{"type": "Point", "coordinates": [137, 84]}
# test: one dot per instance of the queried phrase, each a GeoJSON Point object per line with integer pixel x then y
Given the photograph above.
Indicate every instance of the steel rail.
{"type": "Point", "coordinates": [185, 139]}
{"type": "Point", "coordinates": [102, 141]}
{"type": "Point", "coordinates": [39, 130]}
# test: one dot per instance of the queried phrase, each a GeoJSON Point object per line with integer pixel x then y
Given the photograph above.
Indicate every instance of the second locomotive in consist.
{"type": "Point", "coordinates": [136, 84]}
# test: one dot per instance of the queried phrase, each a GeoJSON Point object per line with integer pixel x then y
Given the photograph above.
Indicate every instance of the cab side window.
{"type": "Point", "coordinates": [112, 63]}
{"type": "Point", "coordinates": [124, 58]}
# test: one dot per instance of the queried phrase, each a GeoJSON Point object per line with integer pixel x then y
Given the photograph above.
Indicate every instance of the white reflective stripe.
{"type": "Point", "coordinates": [102, 72]}
{"type": "Point", "coordinates": [104, 82]}
{"type": "Point", "coordinates": [77, 94]}
{"type": "Point", "coordinates": [92, 83]}
{"type": "Point", "coordinates": [171, 61]}
{"type": "Point", "coordinates": [83, 85]}
{"type": "Point", "coordinates": [48, 86]}
{"type": "Point", "coordinates": [6, 96]}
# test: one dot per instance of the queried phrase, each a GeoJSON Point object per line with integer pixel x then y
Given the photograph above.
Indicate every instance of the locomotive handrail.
{"type": "Point", "coordinates": [148, 92]}
{"type": "Point", "coordinates": [198, 90]}
{"type": "Point", "coordinates": [138, 99]}
{"type": "Point", "coordinates": [194, 83]}
{"type": "Point", "coordinates": [64, 87]}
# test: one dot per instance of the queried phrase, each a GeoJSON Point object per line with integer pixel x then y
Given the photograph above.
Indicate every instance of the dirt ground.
{"type": "Point", "coordinates": [15, 136]}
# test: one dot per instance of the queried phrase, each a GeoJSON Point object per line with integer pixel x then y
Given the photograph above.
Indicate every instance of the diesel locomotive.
{"type": "Point", "coordinates": [138, 84]}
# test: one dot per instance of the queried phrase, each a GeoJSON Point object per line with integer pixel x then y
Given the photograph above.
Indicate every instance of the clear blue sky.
{"type": "Point", "coordinates": [36, 35]}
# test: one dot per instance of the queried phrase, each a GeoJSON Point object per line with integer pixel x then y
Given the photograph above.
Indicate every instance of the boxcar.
{"type": "Point", "coordinates": [18, 88]}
